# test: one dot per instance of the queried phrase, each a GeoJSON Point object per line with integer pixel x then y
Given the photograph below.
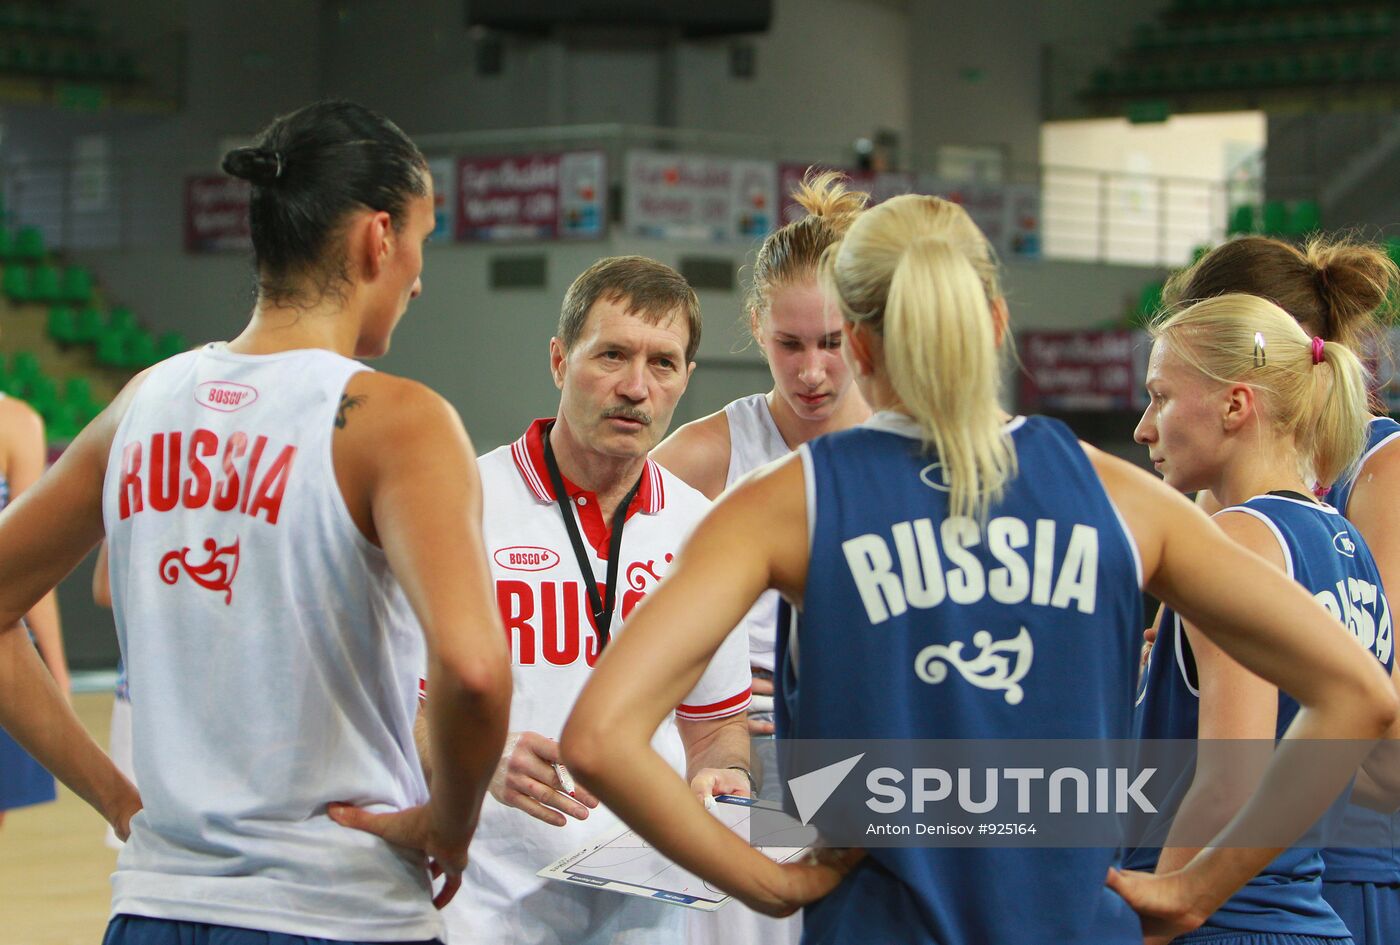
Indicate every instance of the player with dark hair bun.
{"type": "Point", "coordinates": [292, 538]}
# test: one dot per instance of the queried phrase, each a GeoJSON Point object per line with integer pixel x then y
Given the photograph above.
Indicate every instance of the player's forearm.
{"type": "Point", "coordinates": [626, 774]}
{"type": "Point", "coordinates": [34, 711]}
{"type": "Point", "coordinates": [722, 743]}
{"type": "Point", "coordinates": [1297, 788]}
{"type": "Point", "coordinates": [43, 623]}
{"type": "Point", "coordinates": [467, 713]}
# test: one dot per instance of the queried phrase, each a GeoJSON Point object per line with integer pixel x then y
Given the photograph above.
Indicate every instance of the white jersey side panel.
{"type": "Point", "coordinates": [275, 656]}
{"type": "Point", "coordinates": [754, 441]}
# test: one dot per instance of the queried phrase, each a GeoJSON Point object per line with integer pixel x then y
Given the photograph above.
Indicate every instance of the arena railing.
{"type": "Point", "coordinates": [137, 201]}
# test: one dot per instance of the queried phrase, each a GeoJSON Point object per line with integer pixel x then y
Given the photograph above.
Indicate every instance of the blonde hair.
{"type": "Point", "coordinates": [792, 252]}
{"type": "Point", "coordinates": [918, 271]}
{"type": "Point", "coordinates": [1244, 339]}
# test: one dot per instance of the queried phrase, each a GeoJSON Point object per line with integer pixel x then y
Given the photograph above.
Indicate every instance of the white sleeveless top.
{"type": "Point", "coordinates": [754, 441]}
{"type": "Point", "coordinates": [276, 656]}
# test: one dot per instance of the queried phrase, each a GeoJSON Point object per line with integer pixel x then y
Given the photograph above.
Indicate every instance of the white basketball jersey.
{"type": "Point", "coordinates": [544, 606]}
{"type": "Point", "coordinates": [754, 441]}
{"type": "Point", "coordinates": [276, 657]}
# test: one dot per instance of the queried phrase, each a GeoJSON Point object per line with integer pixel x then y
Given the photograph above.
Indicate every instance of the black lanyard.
{"type": "Point", "coordinates": [602, 607]}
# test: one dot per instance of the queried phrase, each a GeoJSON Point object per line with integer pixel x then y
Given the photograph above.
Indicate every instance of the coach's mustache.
{"type": "Point", "coordinates": [628, 413]}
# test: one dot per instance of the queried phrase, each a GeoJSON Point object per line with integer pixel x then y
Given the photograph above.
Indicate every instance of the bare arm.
{"type": "Point", "coordinates": [1234, 704]}
{"type": "Point", "coordinates": [26, 466]}
{"type": "Point", "coordinates": [102, 580]}
{"type": "Point", "coordinates": [1273, 627]}
{"type": "Point", "coordinates": [715, 750]}
{"type": "Point", "coordinates": [404, 452]}
{"type": "Point", "coordinates": [1375, 511]}
{"type": "Point", "coordinates": [699, 454]}
{"type": "Point", "coordinates": [754, 538]}
{"type": "Point", "coordinates": [43, 536]}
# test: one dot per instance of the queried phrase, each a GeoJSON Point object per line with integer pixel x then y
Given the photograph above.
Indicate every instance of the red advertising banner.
{"type": "Point", "coordinates": [216, 214]}
{"type": "Point", "coordinates": [1083, 370]}
{"type": "Point", "coordinates": [531, 197]}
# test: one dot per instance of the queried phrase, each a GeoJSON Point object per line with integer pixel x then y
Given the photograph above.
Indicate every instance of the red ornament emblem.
{"type": "Point", "coordinates": [215, 574]}
{"type": "Point", "coordinates": [640, 578]}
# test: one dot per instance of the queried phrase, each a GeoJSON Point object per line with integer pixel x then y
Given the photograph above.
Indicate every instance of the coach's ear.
{"type": "Point", "coordinates": [558, 357]}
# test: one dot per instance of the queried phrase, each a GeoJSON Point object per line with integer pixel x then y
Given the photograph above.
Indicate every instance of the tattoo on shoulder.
{"type": "Point", "coordinates": [346, 403]}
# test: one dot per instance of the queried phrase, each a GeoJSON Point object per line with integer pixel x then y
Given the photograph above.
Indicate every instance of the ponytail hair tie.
{"type": "Point", "coordinates": [1317, 348]}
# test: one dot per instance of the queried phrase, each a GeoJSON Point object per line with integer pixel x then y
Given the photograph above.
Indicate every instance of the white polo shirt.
{"type": "Point", "coordinates": [553, 644]}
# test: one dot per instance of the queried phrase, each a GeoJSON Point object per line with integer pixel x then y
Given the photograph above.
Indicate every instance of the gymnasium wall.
{"type": "Point", "coordinates": [828, 72]}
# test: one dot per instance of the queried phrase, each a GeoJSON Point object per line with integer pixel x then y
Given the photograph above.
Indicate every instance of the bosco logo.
{"type": "Point", "coordinates": [224, 396]}
{"type": "Point", "coordinates": [527, 558]}
{"type": "Point", "coordinates": [1343, 543]}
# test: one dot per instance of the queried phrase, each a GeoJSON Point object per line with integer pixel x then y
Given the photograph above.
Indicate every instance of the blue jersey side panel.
{"type": "Point", "coordinates": [1051, 580]}
{"type": "Point", "coordinates": [1327, 555]}
{"type": "Point", "coordinates": [1382, 863]}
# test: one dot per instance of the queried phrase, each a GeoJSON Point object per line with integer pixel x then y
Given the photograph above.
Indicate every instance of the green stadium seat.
{"type": "Point", "coordinates": [1303, 217]}
{"type": "Point", "coordinates": [46, 284]}
{"type": "Point", "coordinates": [1241, 220]}
{"type": "Point", "coordinates": [7, 242]}
{"type": "Point", "coordinates": [22, 59]}
{"type": "Point", "coordinates": [1149, 300]}
{"type": "Point", "coordinates": [29, 243]}
{"type": "Point", "coordinates": [124, 66]}
{"type": "Point", "coordinates": [111, 349]}
{"type": "Point", "coordinates": [77, 390]}
{"type": "Point", "coordinates": [1392, 249]}
{"type": "Point", "coordinates": [63, 324]}
{"type": "Point", "coordinates": [121, 319]}
{"type": "Point", "coordinates": [77, 284]}
{"type": "Point", "coordinates": [66, 422]}
{"type": "Point", "coordinates": [16, 283]}
{"type": "Point", "coordinates": [91, 324]}
{"type": "Point", "coordinates": [1275, 219]}
{"type": "Point", "coordinates": [25, 367]}
{"type": "Point", "coordinates": [140, 350]}
{"type": "Point", "coordinates": [170, 344]}
{"type": "Point", "coordinates": [42, 394]}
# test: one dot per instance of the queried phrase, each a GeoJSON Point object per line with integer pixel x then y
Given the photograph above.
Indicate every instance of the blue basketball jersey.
{"type": "Point", "coordinates": [1326, 554]}
{"type": "Point", "coordinates": [1381, 864]}
{"type": "Point", "coordinates": [1379, 432]}
{"type": "Point", "coordinates": [1049, 585]}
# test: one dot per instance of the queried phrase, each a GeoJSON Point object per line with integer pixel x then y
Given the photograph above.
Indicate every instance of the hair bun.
{"type": "Point", "coordinates": [1353, 279]}
{"type": "Point", "coordinates": [828, 194]}
{"type": "Point", "coordinates": [260, 166]}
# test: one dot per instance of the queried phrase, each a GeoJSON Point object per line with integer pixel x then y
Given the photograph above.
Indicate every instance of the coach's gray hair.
{"type": "Point", "coordinates": [653, 291]}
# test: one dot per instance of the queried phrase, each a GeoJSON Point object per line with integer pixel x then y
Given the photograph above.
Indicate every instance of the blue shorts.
{"type": "Point", "coordinates": [23, 781]}
{"type": "Point", "coordinates": [1231, 937]}
{"type": "Point", "coordinates": [139, 930]}
{"type": "Point", "coordinates": [1371, 911]}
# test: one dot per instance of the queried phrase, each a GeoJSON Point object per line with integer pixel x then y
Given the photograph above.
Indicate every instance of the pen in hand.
{"type": "Point", "coordinates": [566, 780]}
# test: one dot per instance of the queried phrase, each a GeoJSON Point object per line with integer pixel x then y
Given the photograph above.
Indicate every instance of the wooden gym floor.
{"type": "Point", "coordinates": [54, 866]}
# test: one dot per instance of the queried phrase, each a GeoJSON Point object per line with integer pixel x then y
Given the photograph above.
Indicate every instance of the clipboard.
{"type": "Point", "coordinates": [628, 864]}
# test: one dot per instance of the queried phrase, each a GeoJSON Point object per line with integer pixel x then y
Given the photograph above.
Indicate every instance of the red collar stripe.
{"type": "Point", "coordinates": [528, 453]}
{"type": "Point", "coordinates": [520, 452]}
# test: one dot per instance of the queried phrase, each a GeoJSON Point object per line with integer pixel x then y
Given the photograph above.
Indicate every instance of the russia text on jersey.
{"type": "Point", "coordinates": [171, 471]}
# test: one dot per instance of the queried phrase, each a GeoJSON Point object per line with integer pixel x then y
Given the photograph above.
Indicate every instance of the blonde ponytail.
{"type": "Point", "coordinates": [918, 271]}
{"type": "Point", "coordinates": [1340, 391]}
{"type": "Point", "coordinates": [1244, 339]}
